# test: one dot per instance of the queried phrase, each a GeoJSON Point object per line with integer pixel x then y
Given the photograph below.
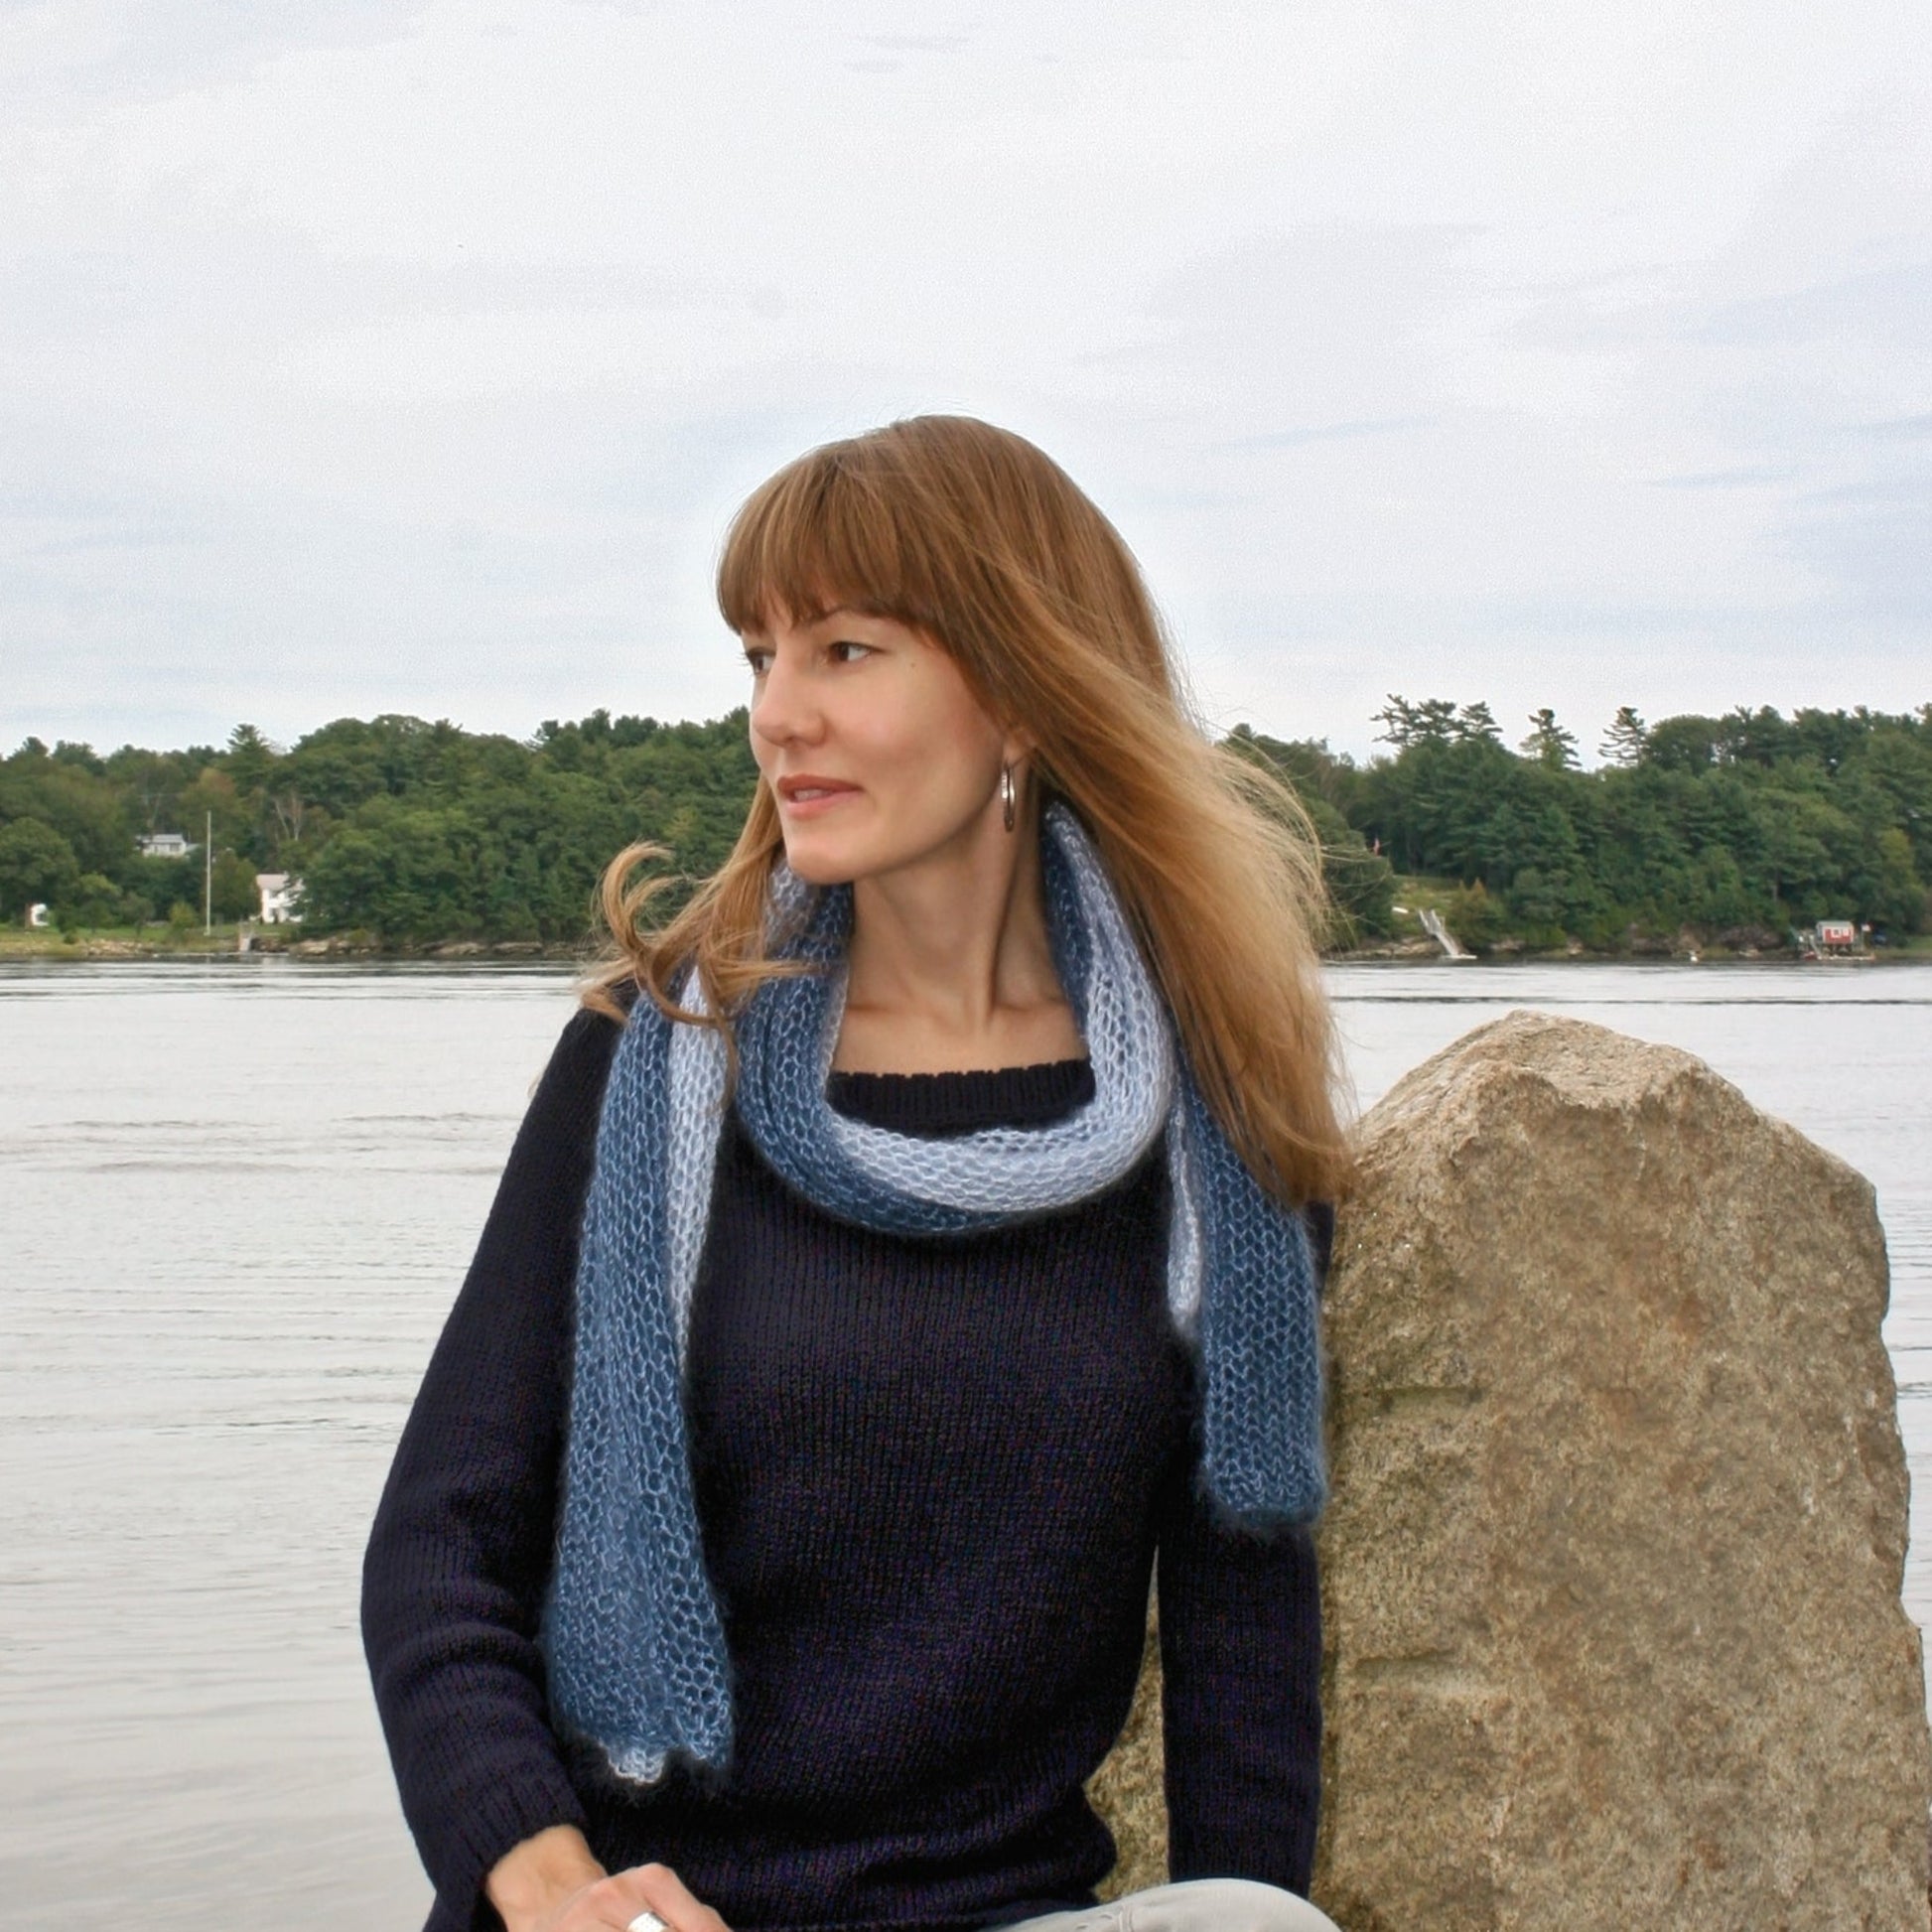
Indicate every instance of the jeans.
{"type": "Point", "coordinates": [1198, 1905]}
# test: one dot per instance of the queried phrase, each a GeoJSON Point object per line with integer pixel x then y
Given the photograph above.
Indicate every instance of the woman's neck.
{"type": "Point", "coordinates": [951, 968]}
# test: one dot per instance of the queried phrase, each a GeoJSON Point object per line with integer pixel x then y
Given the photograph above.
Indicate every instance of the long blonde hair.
{"type": "Point", "coordinates": [977, 538]}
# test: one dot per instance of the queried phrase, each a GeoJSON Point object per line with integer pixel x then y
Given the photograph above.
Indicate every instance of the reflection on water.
{"type": "Point", "coordinates": [237, 1198]}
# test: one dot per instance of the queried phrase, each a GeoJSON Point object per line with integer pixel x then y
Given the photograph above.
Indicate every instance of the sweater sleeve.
{"type": "Point", "coordinates": [1241, 1677]}
{"type": "Point", "coordinates": [453, 1576]}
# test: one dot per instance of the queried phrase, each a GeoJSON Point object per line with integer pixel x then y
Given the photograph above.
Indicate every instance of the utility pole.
{"type": "Point", "coordinates": [208, 878]}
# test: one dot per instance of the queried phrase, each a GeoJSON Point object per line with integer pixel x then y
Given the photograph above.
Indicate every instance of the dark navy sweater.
{"type": "Point", "coordinates": [932, 1474]}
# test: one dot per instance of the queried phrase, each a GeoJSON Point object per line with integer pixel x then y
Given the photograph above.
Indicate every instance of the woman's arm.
{"type": "Point", "coordinates": [1241, 1689]}
{"type": "Point", "coordinates": [1241, 1676]}
{"type": "Point", "coordinates": [457, 1560]}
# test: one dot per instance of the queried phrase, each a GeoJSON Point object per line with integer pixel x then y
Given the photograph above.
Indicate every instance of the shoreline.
{"type": "Point", "coordinates": [95, 949]}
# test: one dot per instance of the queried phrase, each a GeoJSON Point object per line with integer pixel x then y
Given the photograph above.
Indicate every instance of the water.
{"type": "Point", "coordinates": [237, 1198]}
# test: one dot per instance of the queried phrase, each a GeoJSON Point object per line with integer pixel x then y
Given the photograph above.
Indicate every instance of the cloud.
{"type": "Point", "coordinates": [1298, 439]}
{"type": "Point", "coordinates": [1897, 429]}
{"type": "Point", "coordinates": [413, 357]}
{"type": "Point", "coordinates": [1761, 476]}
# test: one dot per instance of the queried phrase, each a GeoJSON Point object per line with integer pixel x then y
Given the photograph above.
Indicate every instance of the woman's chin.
{"type": "Point", "coordinates": [818, 863]}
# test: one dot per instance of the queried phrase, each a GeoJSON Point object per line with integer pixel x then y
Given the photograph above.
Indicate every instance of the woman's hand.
{"type": "Point", "coordinates": [552, 1883]}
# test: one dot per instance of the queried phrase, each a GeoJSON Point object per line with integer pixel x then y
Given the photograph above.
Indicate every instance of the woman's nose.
{"type": "Point", "coordinates": [784, 707]}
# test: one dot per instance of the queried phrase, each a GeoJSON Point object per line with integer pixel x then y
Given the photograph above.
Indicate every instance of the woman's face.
{"type": "Point", "coordinates": [877, 753]}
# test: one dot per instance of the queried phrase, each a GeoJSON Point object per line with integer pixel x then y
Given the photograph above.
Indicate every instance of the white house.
{"type": "Point", "coordinates": [279, 896]}
{"type": "Point", "coordinates": [164, 845]}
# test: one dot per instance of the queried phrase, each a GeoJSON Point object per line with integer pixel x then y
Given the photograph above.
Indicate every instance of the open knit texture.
{"type": "Point", "coordinates": [634, 1643]}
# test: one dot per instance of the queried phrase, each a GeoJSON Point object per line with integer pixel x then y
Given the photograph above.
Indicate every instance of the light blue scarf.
{"type": "Point", "coordinates": [632, 1634]}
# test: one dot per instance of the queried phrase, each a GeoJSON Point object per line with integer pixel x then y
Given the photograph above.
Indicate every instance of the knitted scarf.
{"type": "Point", "coordinates": [632, 1634]}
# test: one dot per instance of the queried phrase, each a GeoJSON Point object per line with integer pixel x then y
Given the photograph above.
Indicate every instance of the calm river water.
{"type": "Point", "coordinates": [237, 1198]}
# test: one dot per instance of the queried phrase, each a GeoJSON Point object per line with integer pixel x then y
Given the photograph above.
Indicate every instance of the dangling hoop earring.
{"type": "Point", "coordinates": [1009, 797]}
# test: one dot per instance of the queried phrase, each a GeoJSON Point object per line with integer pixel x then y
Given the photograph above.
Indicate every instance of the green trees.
{"type": "Point", "coordinates": [415, 831]}
{"type": "Point", "coordinates": [35, 865]}
{"type": "Point", "coordinates": [67, 791]}
{"type": "Point", "coordinates": [406, 875]}
{"type": "Point", "coordinates": [1624, 742]}
{"type": "Point", "coordinates": [1549, 744]}
{"type": "Point", "coordinates": [1749, 823]}
{"type": "Point", "coordinates": [1360, 883]}
{"type": "Point", "coordinates": [408, 830]}
{"type": "Point", "coordinates": [233, 894]}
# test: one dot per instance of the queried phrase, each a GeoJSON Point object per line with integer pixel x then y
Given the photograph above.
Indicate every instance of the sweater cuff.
{"type": "Point", "coordinates": [498, 1819]}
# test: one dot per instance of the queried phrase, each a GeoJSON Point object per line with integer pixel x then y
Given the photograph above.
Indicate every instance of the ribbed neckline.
{"type": "Point", "coordinates": [935, 1105]}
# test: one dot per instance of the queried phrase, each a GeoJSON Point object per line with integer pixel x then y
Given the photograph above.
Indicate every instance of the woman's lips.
{"type": "Point", "coordinates": [810, 800]}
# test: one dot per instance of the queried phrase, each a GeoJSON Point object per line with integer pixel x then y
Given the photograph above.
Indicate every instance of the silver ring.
{"type": "Point", "coordinates": [648, 1922]}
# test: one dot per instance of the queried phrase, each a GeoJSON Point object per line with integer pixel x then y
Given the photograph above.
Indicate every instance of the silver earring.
{"type": "Point", "coordinates": [1009, 797]}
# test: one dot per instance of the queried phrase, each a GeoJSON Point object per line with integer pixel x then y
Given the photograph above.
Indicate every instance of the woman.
{"type": "Point", "coordinates": [905, 1252]}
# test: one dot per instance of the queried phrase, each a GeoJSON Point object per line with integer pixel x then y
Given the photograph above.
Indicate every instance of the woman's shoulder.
{"type": "Point", "coordinates": [605, 1003]}
{"type": "Point", "coordinates": [580, 1063]}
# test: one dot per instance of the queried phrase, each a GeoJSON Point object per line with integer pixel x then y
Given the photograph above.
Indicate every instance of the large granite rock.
{"type": "Point", "coordinates": [1127, 1791]}
{"type": "Point", "coordinates": [1612, 1568]}
{"type": "Point", "coordinates": [1614, 1563]}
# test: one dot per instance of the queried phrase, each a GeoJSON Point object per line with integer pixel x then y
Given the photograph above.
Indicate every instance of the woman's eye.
{"type": "Point", "coordinates": [857, 651]}
{"type": "Point", "coordinates": [757, 662]}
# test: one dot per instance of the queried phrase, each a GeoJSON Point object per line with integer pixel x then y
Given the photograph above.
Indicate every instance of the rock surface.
{"type": "Point", "coordinates": [1612, 1568]}
{"type": "Point", "coordinates": [1126, 1790]}
{"type": "Point", "coordinates": [1614, 1564]}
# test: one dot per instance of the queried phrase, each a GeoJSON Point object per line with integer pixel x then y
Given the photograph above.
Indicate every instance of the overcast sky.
{"type": "Point", "coordinates": [388, 356]}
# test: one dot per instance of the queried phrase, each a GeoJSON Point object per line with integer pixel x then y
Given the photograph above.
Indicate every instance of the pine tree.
{"type": "Point", "coordinates": [1431, 722]}
{"type": "Point", "coordinates": [1624, 743]}
{"type": "Point", "coordinates": [1548, 742]}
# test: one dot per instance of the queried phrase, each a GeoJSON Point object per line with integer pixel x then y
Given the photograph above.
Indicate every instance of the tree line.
{"type": "Point", "coordinates": [1737, 829]}
{"type": "Point", "coordinates": [410, 831]}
